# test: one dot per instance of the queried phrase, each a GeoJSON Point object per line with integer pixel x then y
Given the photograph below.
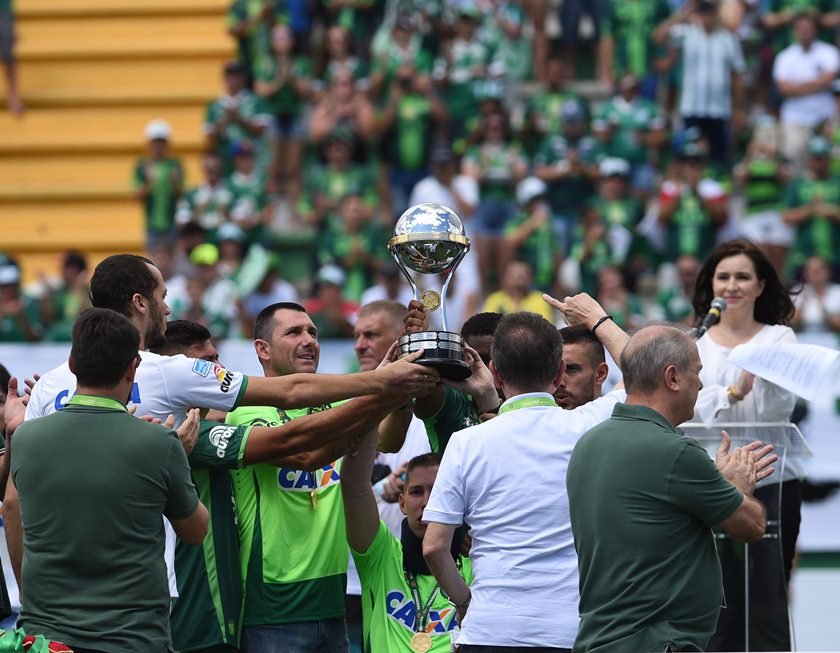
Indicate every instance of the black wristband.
{"type": "Point", "coordinates": [601, 321]}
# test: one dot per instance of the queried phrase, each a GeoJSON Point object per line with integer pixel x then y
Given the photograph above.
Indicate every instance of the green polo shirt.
{"type": "Point", "coordinates": [643, 502]}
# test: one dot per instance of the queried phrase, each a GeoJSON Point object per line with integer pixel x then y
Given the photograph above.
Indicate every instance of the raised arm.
{"type": "Point", "coordinates": [312, 441]}
{"type": "Point", "coordinates": [361, 515]}
{"type": "Point", "coordinates": [303, 390]}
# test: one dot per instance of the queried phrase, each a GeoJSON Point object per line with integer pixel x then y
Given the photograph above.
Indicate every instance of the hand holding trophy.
{"type": "Point", "coordinates": [429, 239]}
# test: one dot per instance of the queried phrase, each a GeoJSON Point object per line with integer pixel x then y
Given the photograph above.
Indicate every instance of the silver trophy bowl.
{"type": "Point", "coordinates": [429, 239]}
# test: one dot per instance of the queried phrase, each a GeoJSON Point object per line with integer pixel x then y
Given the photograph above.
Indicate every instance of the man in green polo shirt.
{"type": "Point", "coordinates": [643, 501]}
{"type": "Point", "coordinates": [291, 521]}
{"type": "Point", "coordinates": [93, 546]}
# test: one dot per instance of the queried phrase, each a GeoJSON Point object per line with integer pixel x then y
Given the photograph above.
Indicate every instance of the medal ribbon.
{"type": "Point", "coordinates": [527, 402]}
{"type": "Point", "coordinates": [422, 615]}
{"type": "Point", "coordinates": [97, 402]}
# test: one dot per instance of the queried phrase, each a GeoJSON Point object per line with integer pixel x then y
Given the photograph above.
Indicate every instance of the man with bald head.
{"type": "Point", "coordinates": [644, 500]}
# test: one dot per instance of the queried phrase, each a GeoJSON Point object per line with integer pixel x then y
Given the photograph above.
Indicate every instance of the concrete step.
{"type": "Point", "coordinates": [87, 8]}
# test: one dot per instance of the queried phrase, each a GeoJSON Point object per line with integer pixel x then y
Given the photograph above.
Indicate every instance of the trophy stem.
{"type": "Point", "coordinates": [445, 289]}
{"type": "Point", "coordinates": [406, 274]}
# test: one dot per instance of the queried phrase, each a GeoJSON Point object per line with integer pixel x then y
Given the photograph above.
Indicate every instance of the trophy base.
{"type": "Point", "coordinates": [442, 350]}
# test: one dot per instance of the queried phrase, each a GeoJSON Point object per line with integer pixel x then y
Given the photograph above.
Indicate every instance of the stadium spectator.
{"type": "Point", "coordinates": [412, 117]}
{"type": "Point", "coordinates": [818, 302]}
{"type": "Point", "coordinates": [763, 177]}
{"type": "Point", "coordinates": [632, 128]}
{"type": "Point", "coordinates": [390, 286]}
{"type": "Point", "coordinates": [232, 248]}
{"type": "Point", "coordinates": [517, 293]}
{"type": "Point", "coordinates": [250, 24]}
{"type": "Point", "coordinates": [8, 37]}
{"type": "Point", "coordinates": [284, 82]}
{"type": "Point", "coordinates": [585, 368]}
{"type": "Point", "coordinates": [812, 208]}
{"type": "Point", "coordinates": [626, 46]}
{"type": "Point", "coordinates": [219, 299]}
{"type": "Point", "coordinates": [263, 269]}
{"type": "Point", "coordinates": [529, 236]}
{"type": "Point", "coordinates": [567, 162]}
{"type": "Point", "coordinates": [404, 47]}
{"type": "Point", "coordinates": [544, 108]}
{"type": "Point", "coordinates": [235, 116]}
{"type": "Point", "coordinates": [612, 293]}
{"type": "Point", "coordinates": [691, 208]}
{"type": "Point", "coordinates": [804, 72]}
{"type": "Point", "coordinates": [711, 79]}
{"type": "Point", "coordinates": [571, 11]}
{"type": "Point", "coordinates": [675, 302]}
{"type": "Point", "coordinates": [356, 245]}
{"type": "Point", "coordinates": [250, 209]}
{"type": "Point", "coordinates": [670, 561]}
{"type": "Point", "coordinates": [19, 313]}
{"type": "Point", "coordinates": [497, 164]}
{"type": "Point", "coordinates": [207, 204]}
{"type": "Point", "coordinates": [63, 299]}
{"type": "Point", "coordinates": [445, 186]}
{"type": "Point", "coordinates": [141, 476]}
{"type": "Point", "coordinates": [343, 106]}
{"type": "Point", "coordinates": [533, 438]}
{"type": "Point", "coordinates": [332, 314]}
{"type": "Point", "coordinates": [325, 185]}
{"type": "Point", "coordinates": [158, 181]}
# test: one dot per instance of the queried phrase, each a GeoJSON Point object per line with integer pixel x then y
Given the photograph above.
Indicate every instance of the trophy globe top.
{"type": "Point", "coordinates": [429, 238]}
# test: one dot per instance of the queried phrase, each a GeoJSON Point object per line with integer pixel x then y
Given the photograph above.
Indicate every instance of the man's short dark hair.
{"type": "Point", "coordinates": [581, 335]}
{"type": "Point", "coordinates": [527, 350]}
{"type": "Point", "coordinates": [116, 280]}
{"type": "Point", "coordinates": [423, 460]}
{"type": "Point", "coordinates": [181, 335]}
{"type": "Point", "coordinates": [481, 324]}
{"type": "Point", "coordinates": [264, 324]}
{"type": "Point", "coordinates": [104, 344]}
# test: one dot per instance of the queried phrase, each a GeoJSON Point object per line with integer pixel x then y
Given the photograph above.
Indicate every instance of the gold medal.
{"type": "Point", "coordinates": [421, 642]}
{"type": "Point", "coordinates": [431, 300]}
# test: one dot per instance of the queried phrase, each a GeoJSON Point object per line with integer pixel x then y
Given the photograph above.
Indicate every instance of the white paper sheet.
{"type": "Point", "coordinates": [798, 368]}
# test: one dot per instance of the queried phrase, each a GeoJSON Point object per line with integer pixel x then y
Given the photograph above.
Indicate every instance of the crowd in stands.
{"type": "Point", "coordinates": [610, 161]}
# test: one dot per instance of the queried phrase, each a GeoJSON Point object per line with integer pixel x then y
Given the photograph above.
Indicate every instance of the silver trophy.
{"type": "Point", "coordinates": [429, 239]}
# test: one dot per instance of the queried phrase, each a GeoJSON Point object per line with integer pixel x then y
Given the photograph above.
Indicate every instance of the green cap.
{"type": "Point", "coordinates": [206, 254]}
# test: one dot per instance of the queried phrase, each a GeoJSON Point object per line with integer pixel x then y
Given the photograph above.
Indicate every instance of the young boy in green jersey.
{"type": "Point", "coordinates": [403, 607]}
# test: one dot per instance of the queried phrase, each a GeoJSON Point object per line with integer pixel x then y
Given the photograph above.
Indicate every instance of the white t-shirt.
{"type": "Point", "coordinates": [793, 64]}
{"type": "Point", "coordinates": [766, 402]}
{"type": "Point", "coordinates": [163, 386]}
{"type": "Point", "coordinates": [506, 478]}
{"type": "Point", "coordinates": [431, 190]}
{"type": "Point", "coordinates": [810, 307]}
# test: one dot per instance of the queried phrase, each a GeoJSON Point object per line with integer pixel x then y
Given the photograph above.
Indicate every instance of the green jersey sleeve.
{"type": "Point", "coordinates": [456, 413]}
{"type": "Point", "coordinates": [219, 446]}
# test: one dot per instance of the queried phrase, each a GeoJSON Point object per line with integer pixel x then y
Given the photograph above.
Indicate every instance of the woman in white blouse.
{"type": "Point", "coordinates": [758, 310]}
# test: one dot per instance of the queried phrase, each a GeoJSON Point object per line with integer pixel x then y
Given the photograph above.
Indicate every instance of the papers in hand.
{"type": "Point", "coordinates": [798, 368]}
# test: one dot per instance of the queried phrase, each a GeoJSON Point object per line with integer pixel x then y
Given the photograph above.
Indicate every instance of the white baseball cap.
{"type": "Point", "coordinates": [158, 130]}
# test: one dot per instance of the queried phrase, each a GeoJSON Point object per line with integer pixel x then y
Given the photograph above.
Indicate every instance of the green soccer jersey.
{"type": "Point", "coordinates": [248, 196]}
{"type": "Point", "coordinates": [762, 190]}
{"type": "Point", "coordinates": [251, 108]}
{"type": "Point", "coordinates": [389, 607]}
{"type": "Point", "coordinates": [163, 178]}
{"type": "Point", "coordinates": [466, 59]}
{"type": "Point", "coordinates": [818, 235]}
{"type": "Point", "coordinates": [630, 24]}
{"type": "Point", "coordinates": [539, 249]}
{"type": "Point", "coordinates": [567, 195]}
{"type": "Point", "coordinates": [207, 205]}
{"type": "Point", "coordinates": [410, 141]}
{"type": "Point", "coordinates": [291, 528]}
{"type": "Point", "coordinates": [783, 36]}
{"type": "Point", "coordinates": [690, 231]}
{"type": "Point", "coordinates": [285, 100]}
{"type": "Point", "coordinates": [357, 254]}
{"type": "Point", "coordinates": [497, 161]}
{"type": "Point", "coordinates": [255, 47]}
{"type": "Point", "coordinates": [545, 110]}
{"type": "Point", "coordinates": [333, 185]}
{"type": "Point", "coordinates": [513, 54]}
{"type": "Point", "coordinates": [391, 57]}
{"type": "Point", "coordinates": [628, 119]}
{"type": "Point", "coordinates": [601, 255]}
{"type": "Point", "coordinates": [211, 612]}
{"type": "Point", "coordinates": [457, 412]}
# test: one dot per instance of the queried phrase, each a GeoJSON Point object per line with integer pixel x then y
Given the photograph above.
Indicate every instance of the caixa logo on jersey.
{"type": "Point", "coordinates": [297, 480]}
{"type": "Point", "coordinates": [401, 609]}
{"type": "Point", "coordinates": [224, 377]}
{"type": "Point", "coordinates": [220, 438]}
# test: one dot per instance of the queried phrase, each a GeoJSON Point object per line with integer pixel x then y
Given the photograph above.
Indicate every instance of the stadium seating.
{"type": "Point", "coordinates": [92, 74]}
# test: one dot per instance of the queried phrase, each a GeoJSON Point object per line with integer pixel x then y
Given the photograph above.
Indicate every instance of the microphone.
{"type": "Point", "coordinates": [712, 317]}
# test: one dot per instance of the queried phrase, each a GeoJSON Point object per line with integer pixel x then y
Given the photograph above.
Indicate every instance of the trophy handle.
{"type": "Point", "coordinates": [445, 288]}
{"type": "Point", "coordinates": [406, 275]}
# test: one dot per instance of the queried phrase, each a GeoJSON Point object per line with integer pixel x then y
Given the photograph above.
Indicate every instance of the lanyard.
{"type": "Point", "coordinates": [527, 402]}
{"type": "Point", "coordinates": [97, 402]}
{"type": "Point", "coordinates": [420, 616]}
